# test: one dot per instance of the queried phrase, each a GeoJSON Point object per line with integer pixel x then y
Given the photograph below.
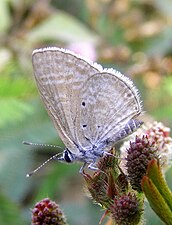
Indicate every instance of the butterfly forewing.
{"type": "Point", "coordinates": [60, 76]}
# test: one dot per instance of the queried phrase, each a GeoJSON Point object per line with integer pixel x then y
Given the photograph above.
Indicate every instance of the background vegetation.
{"type": "Point", "coordinates": [134, 37]}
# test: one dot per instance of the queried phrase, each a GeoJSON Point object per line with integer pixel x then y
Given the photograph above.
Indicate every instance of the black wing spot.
{"type": "Point", "coordinates": [84, 125]}
{"type": "Point", "coordinates": [129, 95]}
{"type": "Point", "coordinates": [83, 103]}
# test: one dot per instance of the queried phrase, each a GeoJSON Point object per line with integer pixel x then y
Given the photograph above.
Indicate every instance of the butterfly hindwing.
{"type": "Point", "coordinates": [108, 102]}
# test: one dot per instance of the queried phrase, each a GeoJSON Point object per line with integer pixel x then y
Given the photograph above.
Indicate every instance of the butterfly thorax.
{"type": "Point", "coordinates": [86, 156]}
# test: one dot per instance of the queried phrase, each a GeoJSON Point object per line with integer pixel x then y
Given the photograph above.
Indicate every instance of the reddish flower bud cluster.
{"type": "Point", "coordinates": [109, 188]}
{"type": "Point", "coordinates": [47, 212]}
{"type": "Point", "coordinates": [126, 210]}
{"type": "Point", "coordinates": [140, 153]}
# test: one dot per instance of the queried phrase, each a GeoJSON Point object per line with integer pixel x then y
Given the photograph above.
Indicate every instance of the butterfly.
{"type": "Point", "coordinates": [91, 108]}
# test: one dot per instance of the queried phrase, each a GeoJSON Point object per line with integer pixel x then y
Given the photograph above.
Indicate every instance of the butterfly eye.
{"type": "Point", "coordinates": [67, 157]}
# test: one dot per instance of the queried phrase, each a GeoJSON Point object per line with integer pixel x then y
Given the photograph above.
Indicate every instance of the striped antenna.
{"type": "Point", "coordinates": [48, 160]}
{"type": "Point", "coordinates": [43, 164]}
{"type": "Point", "coordinates": [41, 145]}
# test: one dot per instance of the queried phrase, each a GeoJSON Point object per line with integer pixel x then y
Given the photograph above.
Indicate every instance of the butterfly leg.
{"type": "Point", "coordinates": [92, 166]}
{"type": "Point", "coordinates": [82, 168]}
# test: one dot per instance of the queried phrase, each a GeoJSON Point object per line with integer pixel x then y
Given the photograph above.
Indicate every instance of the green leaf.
{"type": "Point", "coordinates": [13, 111]}
{"type": "Point", "coordinates": [155, 174]}
{"type": "Point", "coordinates": [160, 44]}
{"type": "Point", "coordinates": [55, 180]}
{"type": "Point", "coordinates": [5, 56]}
{"type": "Point", "coordinates": [164, 7]}
{"type": "Point", "coordinates": [156, 200]}
{"type": "Point", "coordinates": [167, 86]}
{"type": "Point", "coordinates": [151, 218]}
{"type": "Point", "coordinates": [16, 159]}
{"type": "Point", "coordinates": [5, 16]}
{"type": "Point", "coordinates": [62, 27]}
{"type": "Point", "coordinates": [9, 212]}
{"type": "Point", "coordinates": [15, 86]}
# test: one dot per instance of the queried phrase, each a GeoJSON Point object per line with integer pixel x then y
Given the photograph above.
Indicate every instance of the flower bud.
{"type": "Point", "coordinates": [127, 209]}
{"type": "Point", "coordinates": [47, 212]}
{"type": "Point", "coordinates": [139, 154]}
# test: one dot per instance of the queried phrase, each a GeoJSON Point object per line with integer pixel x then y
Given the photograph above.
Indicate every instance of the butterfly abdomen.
{"type": "Point", "coordinates": [128, 129]}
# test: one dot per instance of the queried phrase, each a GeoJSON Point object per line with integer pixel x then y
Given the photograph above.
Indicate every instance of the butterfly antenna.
{"type": "Point", "coordinates": [43, 164]}
{"type": "Point", "coordinates": [42, 145]}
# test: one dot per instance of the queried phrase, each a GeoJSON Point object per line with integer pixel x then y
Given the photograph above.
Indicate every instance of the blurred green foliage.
{"type": "Point", "coordinates": [132, 36]}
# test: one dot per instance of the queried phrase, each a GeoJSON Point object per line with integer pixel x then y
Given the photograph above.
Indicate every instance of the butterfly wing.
{"type": "Point", "coordinates": [60, 76]}
{"type": "Point", "coordinates": [109, 100]}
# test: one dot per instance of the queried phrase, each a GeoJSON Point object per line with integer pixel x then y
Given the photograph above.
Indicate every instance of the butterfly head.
{"type": "Point", "coordinates": [67, 156]}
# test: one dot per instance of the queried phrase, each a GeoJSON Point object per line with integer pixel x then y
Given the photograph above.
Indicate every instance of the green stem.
{"type": "Point", "coordinates": [155, 174]}
{"type": "Point", "coordinates": [156, 201]}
